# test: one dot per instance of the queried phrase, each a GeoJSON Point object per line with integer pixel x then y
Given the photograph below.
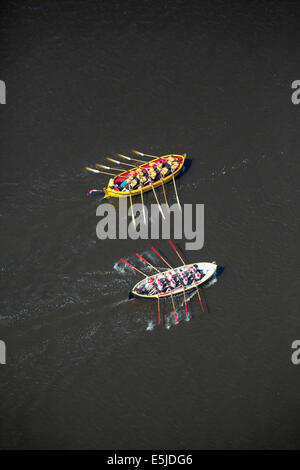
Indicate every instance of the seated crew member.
{"type": "Point", "coordinates": [141, 290]}
{"type": "Point", "coordinates": [160, 287]}
{"type": "Point", "coordinates": [164, 171]}
{"type": "Point", "coordinates": [193, 270]}
{"type": "Point", "coordinates": [141, 176]}
{"type": "Point", "coordinates": [165, 285]}
{"type": "Point", "coordinates": [134, 182]}
{"type": "Point", "coordinates": [173, 164]}
{"type": "Point", "coordinates": [130, 183]}
{"type": "Point", "coordinates": [189, 275]}
{"type": "Point", "coordinates": [199, 270]}
{"type": "Point", "coordinates": [159, 168]}
{"type": "Point", "coordinates": [181, 276]}
{"type": "Point", "coordinates": [143, 180]}
{"type": "Point", "coordinates": [152, 172]}
{"type": "Point", "coordinates": [150, 286]}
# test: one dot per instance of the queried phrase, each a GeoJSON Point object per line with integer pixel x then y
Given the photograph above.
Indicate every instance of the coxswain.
{"type": "Point", "coordinates": [111, 183]}
{"type": "Point", "coordinates": [197, 277]}
{"type": "Point", "coordinates": [141, 290]}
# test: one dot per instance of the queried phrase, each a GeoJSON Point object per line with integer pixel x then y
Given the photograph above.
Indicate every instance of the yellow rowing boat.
{"type": "Point", "coordinates": [109, 192]}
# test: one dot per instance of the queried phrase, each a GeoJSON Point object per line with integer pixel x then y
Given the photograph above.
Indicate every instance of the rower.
{"type": "Point", "coordinates": [123, 185]}
{"type": "Point", "coordinates": [159, 166]}
{"type": "Point", "coordinates": [152, 172]}
{"type": "Point", "coordinates": [160, 286]}
{"type": "Point", "coordinates": [164, 172]}
{"type": "Point", "coordinates": [194, 271]}
{"type": "Point", "coordinates": [133, 182]}
{"type": "Point", "coordinates": [141, 176]}
{"type": "Point", "coordinates": [197, 277]}
{"type": "Point", "coordinates": [173, 163]}
{"type": "Point", "coordinates": [185, 281]}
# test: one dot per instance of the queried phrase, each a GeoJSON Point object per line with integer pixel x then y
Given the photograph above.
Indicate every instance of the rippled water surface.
{"type": "Point", "coordinates": [86, 368]}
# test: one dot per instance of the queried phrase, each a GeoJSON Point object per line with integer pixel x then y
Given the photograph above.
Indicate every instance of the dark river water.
{"type": "Point", "coordinates": [86, 368]}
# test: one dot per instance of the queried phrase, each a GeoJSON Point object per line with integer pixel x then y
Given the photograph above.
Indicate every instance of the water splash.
{"type": "Point", "coordinates": [210, 282]}
{"type": "Point", "coordinates": [120, 267]}
{"type": "Point", "coordinates": [116, 304]}
{"type": "Point", "coordinates": [150, 326]}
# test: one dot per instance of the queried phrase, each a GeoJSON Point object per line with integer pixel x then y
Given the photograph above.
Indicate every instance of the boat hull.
{"type": "Point", "coordinates": [113, 193]}
{"type": "Point", "coordinates": [208, 268]}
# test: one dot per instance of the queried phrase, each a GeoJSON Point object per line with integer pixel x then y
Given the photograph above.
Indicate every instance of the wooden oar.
{"type": "Point", "coordinates": [144, 154]}
{"type": "Point", "coordinates": [158, 310]}
{"type": "Point", "coordinates": [166, 262]}
{"type": "Point", "coordinates": [108, 167]}
{"type": "Point", "coordinates": [132, 213]}
{"type": "Point", "coordinates": [126, 262]}
{"type": "Point", "coordinates": [179, 206]}
{"type": "Point", "coordinates": [163, 186]}
{"type": "Point", "coordinates": [119, 163]}
{"type": "Point", "coordinates": [186, 309]}
{"type": "Point", "coordinates": [185, 266]}
{"type": "Point", "coordinates": [130, 158]}
{"type": "Point", "coordinates": [185, 303]}
{"type": "Point", "coordinates": [175, 314]}
{"type": "Point", "coordinates": [147, 262]}
{"type": "Point", "coordinates": [157, 201]}
{"type": "Point", "coordinates": [142, 196]}
{"type": "Point", "coordinates": [97, 171]}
